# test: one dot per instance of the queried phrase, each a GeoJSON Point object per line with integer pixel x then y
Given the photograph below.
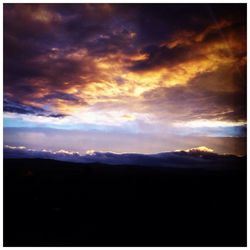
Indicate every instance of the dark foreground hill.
{"type": "Point", "coordinates": [53, 203]}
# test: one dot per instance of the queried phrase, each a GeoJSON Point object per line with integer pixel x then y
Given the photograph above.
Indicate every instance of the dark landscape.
{"type": "Point", "coordinates": [56, 203]}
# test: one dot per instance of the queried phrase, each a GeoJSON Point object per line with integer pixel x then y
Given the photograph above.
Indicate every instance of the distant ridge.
{"type": "Point", "coordinates": [195, 157]}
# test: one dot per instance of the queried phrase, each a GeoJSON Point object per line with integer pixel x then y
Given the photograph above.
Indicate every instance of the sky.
{"type": "Point", "coordinates": [138, 78]}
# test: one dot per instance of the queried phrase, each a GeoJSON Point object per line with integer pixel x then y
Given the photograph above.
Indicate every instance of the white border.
{"type": "Point", "coordinates": [1, 106]}
{"type": "Point", "coordinates": [1, 131]}
{"type": "Point", "coordinates": [125, 1]}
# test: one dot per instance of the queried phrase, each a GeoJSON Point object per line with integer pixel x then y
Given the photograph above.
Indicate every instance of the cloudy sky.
{"type": "Point", "coordinates": [125, 77]}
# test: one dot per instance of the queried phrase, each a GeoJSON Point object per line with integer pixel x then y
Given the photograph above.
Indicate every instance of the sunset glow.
{"type": "Point", "coordinates": [125, 78]}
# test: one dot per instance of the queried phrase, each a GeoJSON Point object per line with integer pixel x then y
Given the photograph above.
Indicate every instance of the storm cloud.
{"type": "Point", "coordinates": [16, 107]}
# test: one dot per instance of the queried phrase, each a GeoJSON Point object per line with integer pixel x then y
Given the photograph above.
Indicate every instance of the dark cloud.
{"type": "Point", "coordinates": [156, 23]}
{"type": "Point", "coordinates": [161, 55]}
{"type": "Point", "coordinates": [31, 32]}
{"type": "Point", "coordinates": [191, 46]}
{"type": "Point", "coordinates": [218, 95]}
{"type": "Point", "coordinates": [49, 71]}
{"type": "Point", "coordinates": [62, 96]}
{"type": "Point", "coordinates": [40, 41]}
{"type": "Point", "coordinates": [16, 107]}
{"type": "Point", "coordinates": [121, 40]}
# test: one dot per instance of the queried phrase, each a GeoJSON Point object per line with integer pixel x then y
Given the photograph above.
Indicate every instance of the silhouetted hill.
{"type": "Point", "coordinates": [193, 158]}
{"type": "Point", "coordinates": [56, 203]}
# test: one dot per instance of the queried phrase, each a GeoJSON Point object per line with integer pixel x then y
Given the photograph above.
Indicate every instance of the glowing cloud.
{"type": "Point", "coordinates": [100, 65]}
